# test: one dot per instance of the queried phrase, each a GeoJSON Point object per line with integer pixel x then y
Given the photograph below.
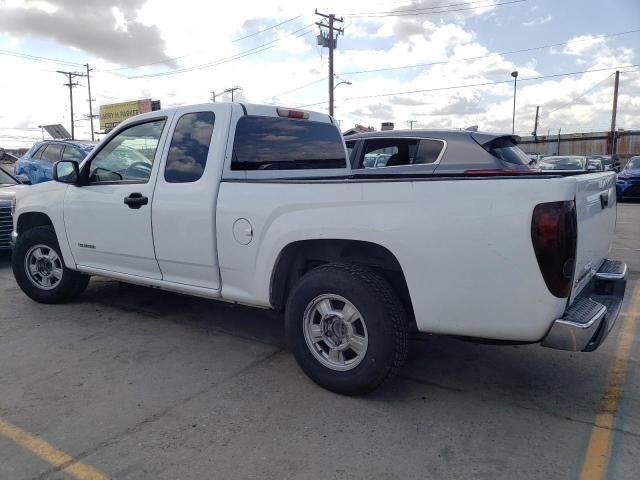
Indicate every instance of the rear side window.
{"type": "Point", "coordinates": [395, 152]}
{"type": "Point", "coordinates": [189, 147]}
{"type": "Point", "coordinates": [52, 153]}
{"type": "Point", "coordinates": [38, 153]}
{"type": "Point", "coordinates": [72, 153]}
{"type": "Point", "coordinates": [273, 143]}
{"type": "Point", "coordinates": [508, 152]}
{"type": "Point", "coordinates": [429, 151]}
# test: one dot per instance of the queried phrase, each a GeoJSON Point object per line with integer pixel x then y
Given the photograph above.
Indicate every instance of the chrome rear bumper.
{"type": "Point", "coordinates": [589, 319]}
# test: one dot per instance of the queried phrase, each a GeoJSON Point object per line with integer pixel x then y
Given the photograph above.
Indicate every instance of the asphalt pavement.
{"type": "Point", "coordinates": [135, 383]}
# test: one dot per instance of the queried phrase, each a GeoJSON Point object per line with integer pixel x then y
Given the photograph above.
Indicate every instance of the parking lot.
{"type": "Point", "coordinates": [132, 383]}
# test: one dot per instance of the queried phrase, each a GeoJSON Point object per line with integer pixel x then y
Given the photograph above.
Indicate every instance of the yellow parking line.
{"type": "Point", "coordinates": [596, 458]}
{"type": "Point", "coordinates": [48, 453]}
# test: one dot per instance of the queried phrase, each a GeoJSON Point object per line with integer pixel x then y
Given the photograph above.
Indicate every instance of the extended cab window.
{"type": "Point", "coordinates": [129, 155]}
{"type": "Point", "coordinates": [189, 147]}
{"type": "Point", "coordinates": [273, 143]}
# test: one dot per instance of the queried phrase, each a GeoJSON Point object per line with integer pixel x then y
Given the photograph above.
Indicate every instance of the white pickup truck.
{"type": "Point", "coordinates": [260, 206]}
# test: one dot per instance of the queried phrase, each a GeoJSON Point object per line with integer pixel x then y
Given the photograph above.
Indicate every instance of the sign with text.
{"type": "Point", "coordinates": [114, 113]}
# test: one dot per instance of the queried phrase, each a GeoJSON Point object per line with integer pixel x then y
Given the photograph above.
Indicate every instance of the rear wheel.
{"type": "Point", "coordinates": [346, 328]}
{"type": "Point", "coordinates": [40, 271]}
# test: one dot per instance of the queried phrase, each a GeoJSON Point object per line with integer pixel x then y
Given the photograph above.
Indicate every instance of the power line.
{"type": "Point", "coordinates": [251, 51]}
{"type": "Point", "coordinates": [28, 56]}
{"type": "Point", "coordinates": [266, 29]}
{"type": "Point", "coordinates": [301, 87]}
{"type": "Point", "coordinates": [434, 7]}
{"type": "Point", "coordinates": [455, 87]}
{"type": "Point", "coordinates": [573, 100]}
{"type": "Point", "coordinates": [394, 14]}
{"type": "Point", "coordinates": [443, 62]}
{"type": "Point", "coordinates": [160, 62]}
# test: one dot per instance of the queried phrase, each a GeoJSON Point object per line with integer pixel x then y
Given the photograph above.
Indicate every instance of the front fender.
{"type": "Point", "coordinates": [47, 199]}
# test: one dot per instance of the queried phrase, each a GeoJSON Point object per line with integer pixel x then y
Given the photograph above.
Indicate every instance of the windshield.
{"type": "Point", "coordinates": [562, 163]}
{"type": "Point", "coordinates": [634, 164]}
{"type": "Point", "coordinates": [6, 179]}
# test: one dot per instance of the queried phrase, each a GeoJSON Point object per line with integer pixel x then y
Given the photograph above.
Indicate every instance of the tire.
{"type": "Point", "coordinates": [316, 329]}
{"type": "Point", "coordinates": [40, 244]}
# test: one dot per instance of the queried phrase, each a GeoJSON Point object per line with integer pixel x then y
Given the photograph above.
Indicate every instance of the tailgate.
{"type": "Point", "coordinates": [596, 215]}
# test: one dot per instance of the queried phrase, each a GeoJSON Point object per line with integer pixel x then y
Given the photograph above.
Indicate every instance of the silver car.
{"type": "Point", "coordinates": [437, 151]}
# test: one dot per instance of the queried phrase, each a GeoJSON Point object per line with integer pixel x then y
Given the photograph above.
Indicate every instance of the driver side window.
{"type": "Point", "coordinates": [128, 157]}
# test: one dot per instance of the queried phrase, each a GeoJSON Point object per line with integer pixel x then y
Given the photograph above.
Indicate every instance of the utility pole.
{"type": "Point", "coordinates": [91, 100]}
{"type": "Point", "coordinates": [71, 84]}
{"type": "Point", "coordinates": [213, 96]}
{"type": "Point", "coordinates": [614, 112]}
{"type": "Point", "coordinates": [535, 125]}
{"type": "Point", "coordinates": [330, 40]}
{"type": "Point", "coordinates": [411, 122]}
{"type": "Point", "coordinates": [232, 89]}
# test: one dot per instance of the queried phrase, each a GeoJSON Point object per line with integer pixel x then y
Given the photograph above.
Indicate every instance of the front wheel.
{"type": "Point", "coordinates": [40, 271]}
{"type": "Point", "coordinates": [347, 328]}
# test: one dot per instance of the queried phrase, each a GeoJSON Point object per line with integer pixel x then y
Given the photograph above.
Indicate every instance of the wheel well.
{"type": "Point", "coordinates": [30, 220]}
{"type": "Point", "coordinates": [298, 258]}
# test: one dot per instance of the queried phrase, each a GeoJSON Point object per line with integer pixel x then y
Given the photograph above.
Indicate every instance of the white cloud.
{"type": "Point", "coordinates": [371, 43]}
{"type": "Point", "coordinates": [585, 45]}
{"type": "Point", "coordinates": [538, 21]}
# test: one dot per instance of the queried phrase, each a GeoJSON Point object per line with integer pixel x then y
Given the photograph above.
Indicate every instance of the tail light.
{"type": "Point", "coordinates": [554, 236]}
{"type": "Point", "coordinates": [299, 114]}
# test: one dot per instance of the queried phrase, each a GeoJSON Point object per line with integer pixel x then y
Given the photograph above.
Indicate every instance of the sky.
{"type": "Point", "coordinates": [436, 63]}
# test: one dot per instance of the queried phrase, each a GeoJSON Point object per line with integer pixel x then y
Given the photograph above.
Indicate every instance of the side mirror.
{"type": "Point", "coordinates": [66, 171]}
{"type": "Point", "coordinates": [23, 179]}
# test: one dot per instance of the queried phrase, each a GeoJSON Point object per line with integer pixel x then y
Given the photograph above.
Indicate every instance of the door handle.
{"type": "Point", "coordinates": [136, 200]}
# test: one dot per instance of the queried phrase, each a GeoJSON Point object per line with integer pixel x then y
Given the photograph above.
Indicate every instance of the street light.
{"type": "Point", "coordinates": [334, 89]}
{"type": "Point", "coordinates": [340, 83]}
{"type": "Point", "coordinates": [515, 86]}
{"type": "Point", "coordinates": [41, 127]}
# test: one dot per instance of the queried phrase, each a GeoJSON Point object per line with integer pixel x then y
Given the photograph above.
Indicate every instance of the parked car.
{"type": "Point", "coordinates": [8, 188]}
{"type": "Point", "coordinates": [571, 164]}
{"type": "Point", "coordinates": [436, 151]}
{"type": "Point", "coordinates": [534, 158]}
{"type": "Point", "coordinates": [258, 205]}
{"type": "Point", "coordinates": [628, 181]}
{"type": "Point", "coordinates": [373, 160]}
{"type": "Point", "coordinates": [37, 163]}
{"type": "Point", "coordinates": [611, 163]}
{"type": "Point", "coordinates": [7, 158]}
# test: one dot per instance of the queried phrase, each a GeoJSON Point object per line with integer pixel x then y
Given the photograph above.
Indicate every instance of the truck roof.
{"type": "Point", "coordinates": [249, 108]}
